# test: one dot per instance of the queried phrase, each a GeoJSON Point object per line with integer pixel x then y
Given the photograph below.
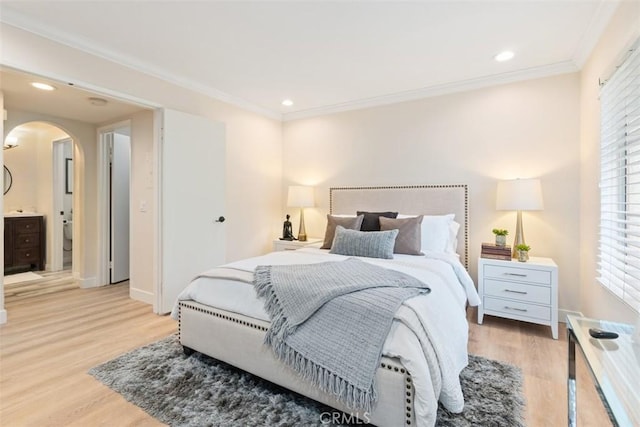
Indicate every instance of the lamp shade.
{"type": "Point", "coordinates": [300, 196]}
{"type": "Point", "coordinates": [519, 195]}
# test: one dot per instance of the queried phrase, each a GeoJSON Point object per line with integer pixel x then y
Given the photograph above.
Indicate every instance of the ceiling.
{"type": "Point", "coordinates": [325, 56]}
{"type": "Point", "coordinates": [65, 101]}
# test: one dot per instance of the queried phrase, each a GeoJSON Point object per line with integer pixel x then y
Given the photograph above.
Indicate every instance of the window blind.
{"type": "Point", "coordinates": [619, 240]}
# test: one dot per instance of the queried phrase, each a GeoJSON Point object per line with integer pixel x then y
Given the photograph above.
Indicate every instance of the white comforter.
{"type": "Point", "coordinates": [429, 334]}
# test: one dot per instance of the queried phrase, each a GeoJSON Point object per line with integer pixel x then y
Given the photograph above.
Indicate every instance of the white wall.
{"type": "Point", "coordinates": [622, 31]}
{"type": "Point", "coordinates": [141, 223]}
{"type": "Point", "coordinates": [527, 129]}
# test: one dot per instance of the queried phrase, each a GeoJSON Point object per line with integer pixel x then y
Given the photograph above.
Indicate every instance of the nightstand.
{"type": "Point", "coordinates": [292, 245]}
{"type": "Point", "coordinates": [526, 291]}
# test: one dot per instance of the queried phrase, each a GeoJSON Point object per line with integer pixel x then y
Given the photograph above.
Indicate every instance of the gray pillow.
{"type": "Point", "coordinates": [372, 244]}
{"type": "Point", "coordinates": [350, 222]}
{"type": "Point", "coordinates": [409, 240]}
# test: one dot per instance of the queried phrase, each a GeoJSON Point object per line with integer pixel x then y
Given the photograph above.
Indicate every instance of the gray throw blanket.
{"type": "Point", "coordinates": [329, 321]}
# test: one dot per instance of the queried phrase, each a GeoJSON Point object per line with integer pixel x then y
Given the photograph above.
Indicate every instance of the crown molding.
{"type": "Point", "coordinates": [18, 20]}
{"type": "Point", "coordinates": [592, 33]}
{"type": "Point", "coordinates": [565, 67]}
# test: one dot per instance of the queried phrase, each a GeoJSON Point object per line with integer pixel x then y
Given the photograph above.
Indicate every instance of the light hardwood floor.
{"type": "Point", "coordinates": [52, 340]}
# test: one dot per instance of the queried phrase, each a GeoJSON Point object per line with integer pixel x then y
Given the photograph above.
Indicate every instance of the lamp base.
{"type": "Point", "coordinates": [302, 233]}
{"type": "Point", "coordinates": [519, 238]}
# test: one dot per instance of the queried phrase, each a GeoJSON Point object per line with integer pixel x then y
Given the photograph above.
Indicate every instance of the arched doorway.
{"type": "Point", "coordinates": [39, 156]}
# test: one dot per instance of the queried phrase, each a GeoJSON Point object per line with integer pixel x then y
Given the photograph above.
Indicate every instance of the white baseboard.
{"type": "Point", "coordinates": [562, 315]}
{"type": "Point", "coordinates": [3, 316]}
{"type": "Point", "coordinates": [87, 282]}
{"type": "Point", "coordinates": [140, 295]}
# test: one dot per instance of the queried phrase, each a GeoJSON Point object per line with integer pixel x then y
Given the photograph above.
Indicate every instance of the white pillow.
{"type": "Point", "coordinates": [439, 232]}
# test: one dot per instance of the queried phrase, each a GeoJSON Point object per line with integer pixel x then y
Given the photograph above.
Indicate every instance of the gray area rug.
{"type": "Point", "coordinates": [201, 391]}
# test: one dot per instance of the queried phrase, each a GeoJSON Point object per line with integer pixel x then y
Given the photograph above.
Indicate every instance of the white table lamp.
{"type": "Point", "coordinates": [301, 197]}
{"type": "Point", "coordinates": [519, 195]}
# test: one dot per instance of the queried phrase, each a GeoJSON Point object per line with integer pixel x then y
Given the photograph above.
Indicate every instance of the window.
{"type": "Point", "coordinates": [619, 246]}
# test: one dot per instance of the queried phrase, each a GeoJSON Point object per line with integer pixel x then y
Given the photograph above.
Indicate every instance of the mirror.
{"type": "Point", "coordinates": [8, 180]}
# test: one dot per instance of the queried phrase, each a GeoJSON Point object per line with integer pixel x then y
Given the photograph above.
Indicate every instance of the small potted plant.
{"type": "Point", "coordinates": [501, 236]}
{"type": "Point", "coordinates": [523, 252]}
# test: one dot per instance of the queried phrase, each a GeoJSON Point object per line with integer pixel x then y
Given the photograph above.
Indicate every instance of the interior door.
{"type": "Point", "coordinates": [192, 201]}
{"type": "Point", "coordinates": [119, 203]}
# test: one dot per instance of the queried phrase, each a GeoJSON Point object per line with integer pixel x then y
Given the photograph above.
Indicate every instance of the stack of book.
{"type": "Point", "coordinates": [490, 250]}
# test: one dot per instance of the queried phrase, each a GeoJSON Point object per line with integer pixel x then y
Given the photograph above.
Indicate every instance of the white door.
{"type": "Point", "coordinates": [119, 203]}
{"type": "Point", "coordinates": [192, 193]}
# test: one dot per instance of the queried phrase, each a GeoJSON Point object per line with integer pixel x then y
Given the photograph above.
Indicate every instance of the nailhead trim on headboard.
{"type": "Point", "coordinates": [400, 187]}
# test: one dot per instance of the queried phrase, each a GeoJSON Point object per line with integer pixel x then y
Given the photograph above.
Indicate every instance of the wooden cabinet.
{"type": "Point", "coordinates": [24, 243]}
{"type": "Point", "coordinates": [526, 291]}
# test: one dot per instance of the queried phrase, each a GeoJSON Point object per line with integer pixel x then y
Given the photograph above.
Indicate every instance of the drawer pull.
{"type": "Point", "coordinates": [27, 255]}
{"type": "Point", "coordinates": [26, 240]}
{"type": "Point", "coordinates": [515, 274]}
{"type": "Point", "coordinates": [524, 310]}
{"type": "Point", "coordinates": [516, 292]}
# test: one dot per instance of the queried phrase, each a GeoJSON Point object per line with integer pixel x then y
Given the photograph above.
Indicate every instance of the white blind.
{"type": "Point", "coordinates": [619, 245]}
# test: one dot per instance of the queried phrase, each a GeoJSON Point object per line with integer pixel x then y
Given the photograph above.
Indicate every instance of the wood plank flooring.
{"type": "Point", "coordinates": [51, 282]}
{"type": "Point", "coordinates": [52, 340]}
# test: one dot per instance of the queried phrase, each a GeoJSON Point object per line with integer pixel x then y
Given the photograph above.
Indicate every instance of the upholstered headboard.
{"type": "Point", "coordinates": [412, 200]}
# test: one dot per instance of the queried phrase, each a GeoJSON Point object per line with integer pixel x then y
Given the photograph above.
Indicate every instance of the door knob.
{"type": "Point", "coordinates": [221, 219]}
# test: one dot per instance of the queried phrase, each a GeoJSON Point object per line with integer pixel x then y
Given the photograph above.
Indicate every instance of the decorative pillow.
{"type": "Point", "coordinates": [436, 232]}
{"type": "Point", "coordinates": [350, 222]}
{"type": "Point", "coordinates": [371, 222]}
{"type": "Point", "coordinates": [376, 244]}
{"type": "Point", "coordinates": [409, 240]}
{"type": "Point", "coordinates": [452, 247]}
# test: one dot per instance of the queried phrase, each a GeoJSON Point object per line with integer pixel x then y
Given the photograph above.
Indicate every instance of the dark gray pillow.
{"type": "Point", "coordinates": [350, 222]}
{"type": "Point", "coordinates": [371, 222]}
{"type": "Point", "coordinates": [376, 244]}
{"type": "Point", "coordinates": [409, 240]}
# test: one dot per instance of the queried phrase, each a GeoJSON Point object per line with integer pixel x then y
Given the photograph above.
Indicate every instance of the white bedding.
{"type": "Point", "coordinates": [426, 328]}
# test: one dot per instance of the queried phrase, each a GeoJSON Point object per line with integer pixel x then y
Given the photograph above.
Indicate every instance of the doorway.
{"type": "Point", "coordinates": [35, 207]}
{"type": "Point", "coordinates": [115, 177]}
{"type": "Point", "coordinates": [62, 218]}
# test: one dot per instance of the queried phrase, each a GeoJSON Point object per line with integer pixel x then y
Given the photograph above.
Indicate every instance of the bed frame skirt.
{"type": "Point", "coordinates": [238, 341]}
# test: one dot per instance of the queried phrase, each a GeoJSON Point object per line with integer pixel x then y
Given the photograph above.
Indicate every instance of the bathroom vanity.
{"type": "Point", "coordinates": [24, 242]}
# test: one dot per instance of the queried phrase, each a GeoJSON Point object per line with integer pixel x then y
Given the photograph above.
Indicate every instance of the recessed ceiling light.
{"type": "Point", "coordinates": [503, 56]}
{"type": "Point", "coordinates": [287, 103]}
{"type": "Point", "coordinates": [42, 86]}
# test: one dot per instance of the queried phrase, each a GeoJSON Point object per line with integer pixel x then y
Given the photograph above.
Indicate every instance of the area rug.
{"type": "Point", "coordinates": [200, 391]}
{"type": "Point", "coordinates": [21, 277]}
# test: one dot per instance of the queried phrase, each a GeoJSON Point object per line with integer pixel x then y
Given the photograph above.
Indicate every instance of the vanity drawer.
{"type": "Point", "coordinates": [27, 225]}
{"type": "Point", "coordinates": [517, 291]}
{"type": "Point", "coordinates": [542, 277]}
{"type": "Point", "coordinates": [517, 309]}
{"type": "Point", "coordinates": [24, 243]}
{"type": "Point", "coordinates": [24, 240]}
{"type": "Point", "coordinates": [26, 256]}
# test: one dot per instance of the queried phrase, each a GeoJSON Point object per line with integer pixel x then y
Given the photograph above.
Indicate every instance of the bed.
{"type": "Point", "coordinates": [221, 316]}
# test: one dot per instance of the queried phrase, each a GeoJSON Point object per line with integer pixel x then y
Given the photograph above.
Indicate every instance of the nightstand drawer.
{"type": "Point", "coordinates": [542, 277]}
{"type": "Point", "coordinates": [517, 291]}
{"type": "Point", "coordinates": [515, 308]}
